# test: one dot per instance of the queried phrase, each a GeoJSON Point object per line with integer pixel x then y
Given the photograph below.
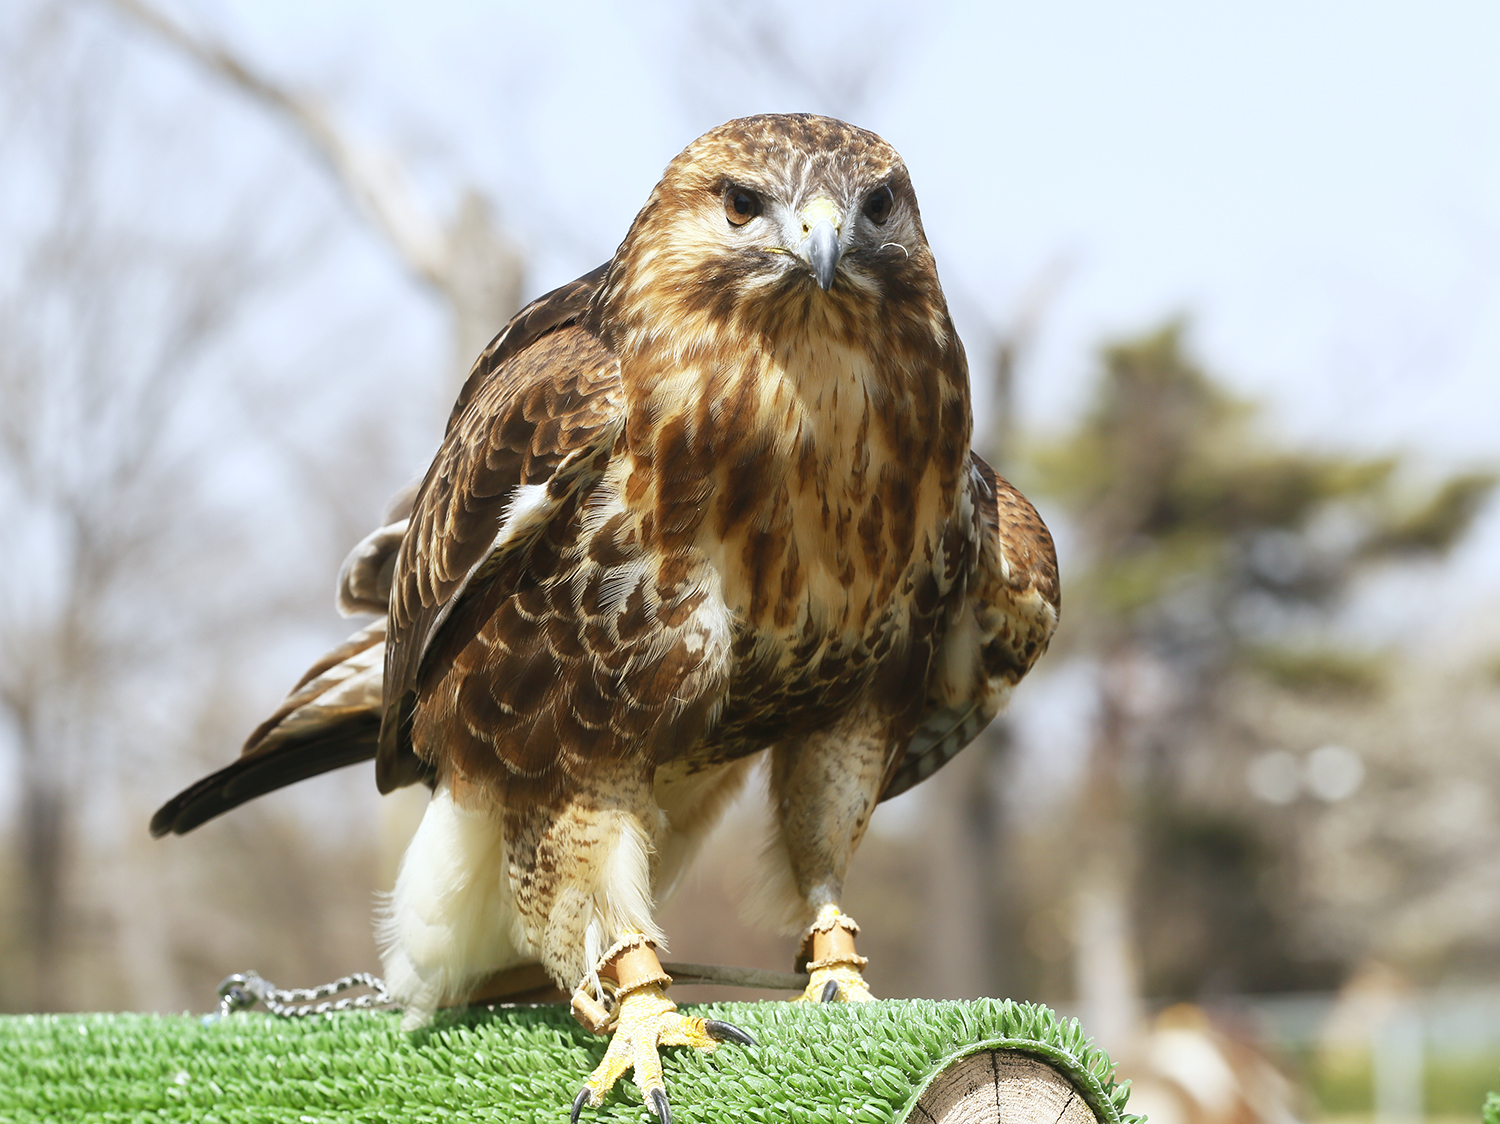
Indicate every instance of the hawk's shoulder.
{"type": "Point", "coordinates": [561, 307]}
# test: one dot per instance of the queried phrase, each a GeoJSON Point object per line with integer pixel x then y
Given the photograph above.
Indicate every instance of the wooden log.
{"type": "Point", "coordinates": [1001, 1087]}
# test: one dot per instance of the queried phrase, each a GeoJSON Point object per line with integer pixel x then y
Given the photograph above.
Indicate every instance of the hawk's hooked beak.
{"type": "Point", "coordinates": [820, 239]}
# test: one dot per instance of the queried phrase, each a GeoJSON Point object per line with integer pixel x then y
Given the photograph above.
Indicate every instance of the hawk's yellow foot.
{"type": "Point", "coordinates": [645, 1019]}
{"type": "Point", "coordinates": [837, 983]}
{"type": "Point", "coordinates": [829, 958]}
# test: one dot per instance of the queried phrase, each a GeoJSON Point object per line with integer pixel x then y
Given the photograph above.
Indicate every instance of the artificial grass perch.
{"type": "Point", "coordinates": [866, 1063]}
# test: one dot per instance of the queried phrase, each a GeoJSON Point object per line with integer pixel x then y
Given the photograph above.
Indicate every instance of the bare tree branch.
{"type": "Point", "coordinates": [737, 46]}
{"type": "Point", "coordinates": [1013, 346]}
{"type": "Point", "coordinates": [137, 595]}
{"type": "Point", "coordinates": [469, 259]}
{"type": "Point", "coordinates": [375, 183]}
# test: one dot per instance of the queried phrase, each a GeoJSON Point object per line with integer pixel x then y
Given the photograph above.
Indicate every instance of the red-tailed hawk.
{"type": "Point", "coordinates": [712, 502]}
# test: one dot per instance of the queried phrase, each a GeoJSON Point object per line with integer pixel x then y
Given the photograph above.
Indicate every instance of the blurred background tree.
{"type": "Point", "coordinates": [177, 485]}
{"type": "Point", "coordinates": [467, 259]}
{"type": "Point", "coordinates": [1204, 549]}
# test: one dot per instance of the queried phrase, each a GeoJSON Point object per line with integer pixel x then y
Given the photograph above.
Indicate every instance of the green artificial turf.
{"type": "Point", "coordinates": [839, 1064]}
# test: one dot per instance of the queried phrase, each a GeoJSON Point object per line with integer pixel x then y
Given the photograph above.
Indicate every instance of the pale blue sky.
{"type": "Point", "coordinates": [1318, 184]}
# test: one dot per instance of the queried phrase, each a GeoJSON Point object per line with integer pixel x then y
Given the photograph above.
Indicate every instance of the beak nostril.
{"type": "Point", "coordinates": [820, 249]}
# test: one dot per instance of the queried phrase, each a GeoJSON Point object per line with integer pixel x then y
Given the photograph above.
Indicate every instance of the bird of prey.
{"type": "Point", "coordinates": [711, 503]}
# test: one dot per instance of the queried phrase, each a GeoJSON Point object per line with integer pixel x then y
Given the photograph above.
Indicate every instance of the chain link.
{"type": "Point", "coordinates": [244, 990]}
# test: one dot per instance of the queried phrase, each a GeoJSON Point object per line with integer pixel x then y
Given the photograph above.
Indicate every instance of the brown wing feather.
{"type": "Point", "coordinates": [1012, 600]}
{"type": "Point", "coordinates": [1017, 591]}
{"type": "Point", "coordinates": [574, 658]}
{"type": "Point", "coordinates": [545, 418]}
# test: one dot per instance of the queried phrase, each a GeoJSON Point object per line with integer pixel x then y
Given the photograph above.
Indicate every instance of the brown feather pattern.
{"type": "Point", "coordinates": [776, 530]}
{"type": "Point", "coordinates": [693, 507]}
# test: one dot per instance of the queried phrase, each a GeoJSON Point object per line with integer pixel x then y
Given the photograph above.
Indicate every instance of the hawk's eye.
{"type": "Point", "coordinates": [740, 206]}
{"type": "Point", "coordinates": [878, 206]}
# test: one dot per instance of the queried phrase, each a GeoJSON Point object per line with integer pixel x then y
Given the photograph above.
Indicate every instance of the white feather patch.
{"type": "Point", "coordinates": [451, 920]}
{"type": "Point", "coordinates": [528, 509]}
{"type": "Point", "coordinates": [526, 512]}
{"type": "Point", "coordinates": [623, 901]}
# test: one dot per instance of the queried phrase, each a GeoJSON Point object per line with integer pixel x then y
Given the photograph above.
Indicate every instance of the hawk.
{"type": "Point", "coordinates": [709, 504]}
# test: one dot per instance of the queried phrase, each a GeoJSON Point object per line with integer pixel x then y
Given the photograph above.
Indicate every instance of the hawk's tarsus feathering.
{"type": "Point", "coordinates": [711, 502]}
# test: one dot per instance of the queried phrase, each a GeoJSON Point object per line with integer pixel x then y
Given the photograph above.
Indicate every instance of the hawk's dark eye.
{"type": "Point", "coordinates": [740, 206]}
{"type": "Point", "coordinates": [878, 205]}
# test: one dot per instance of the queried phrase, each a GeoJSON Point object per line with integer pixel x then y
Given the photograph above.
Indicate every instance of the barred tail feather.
{"type": "Point", "coordinates": [330, 720]}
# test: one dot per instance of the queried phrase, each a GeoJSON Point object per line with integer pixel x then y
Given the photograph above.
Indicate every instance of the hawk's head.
{"type": "Point", "coordinates": [780, 214]}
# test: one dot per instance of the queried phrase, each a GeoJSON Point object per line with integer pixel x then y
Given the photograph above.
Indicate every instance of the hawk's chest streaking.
{"type": "Point", "coordinates": [810, 485]}
{"type": "Point", "coordinates": [723, 500]}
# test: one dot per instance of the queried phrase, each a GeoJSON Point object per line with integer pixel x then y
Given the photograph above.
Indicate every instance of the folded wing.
{"type": "Point", "coordinates": [1008, 616]}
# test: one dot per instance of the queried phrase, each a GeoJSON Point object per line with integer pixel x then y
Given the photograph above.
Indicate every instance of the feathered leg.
{"type": "Point", "coordinates": [584, 877]}
{"type": "Point", "coordinates": [825, 789]}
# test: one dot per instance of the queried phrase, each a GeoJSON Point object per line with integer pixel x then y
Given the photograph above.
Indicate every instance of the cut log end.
{"type": "Point", "coordinates": [1001, 1087]}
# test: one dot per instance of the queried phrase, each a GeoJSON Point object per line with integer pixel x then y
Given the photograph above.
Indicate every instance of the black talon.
{"type": "Point", "coordinates": [728, 1032]}
{"type": "Point", "coordinates": [830, 992]}
{"type": "Point", "coordinates": [658, 1099]}
{"type": "Point", "coordinates": [583, 1095]}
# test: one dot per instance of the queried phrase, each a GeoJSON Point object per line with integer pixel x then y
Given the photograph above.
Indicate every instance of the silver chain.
{"type": "Point", "coordinates": [244, 990]}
